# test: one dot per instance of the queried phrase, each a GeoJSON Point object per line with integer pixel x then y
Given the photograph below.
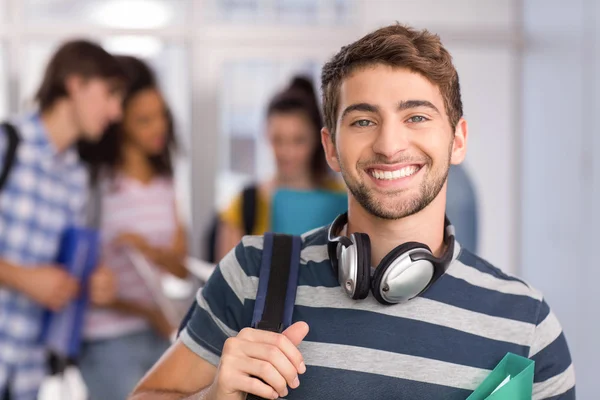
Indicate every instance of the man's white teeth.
{"type": "Point", "coordinates": [399, 173]}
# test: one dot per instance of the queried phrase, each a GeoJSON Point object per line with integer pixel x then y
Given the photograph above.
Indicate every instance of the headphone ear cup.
{"type": "Point", "coordinates": [363, 265]}
{"type": "Point", "coordinates": [388, 261]}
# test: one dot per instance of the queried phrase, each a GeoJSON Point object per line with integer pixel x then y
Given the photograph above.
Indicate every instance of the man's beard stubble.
{"type": "Point", "coordinates": [428, 191]}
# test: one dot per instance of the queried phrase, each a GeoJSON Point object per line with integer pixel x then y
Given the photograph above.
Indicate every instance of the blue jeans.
{"type": "Point", "coordinates": [112, 368]}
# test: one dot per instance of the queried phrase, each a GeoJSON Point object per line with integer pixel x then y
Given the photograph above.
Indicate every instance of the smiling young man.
{"type": "Point", "coordinates": [394, 125]}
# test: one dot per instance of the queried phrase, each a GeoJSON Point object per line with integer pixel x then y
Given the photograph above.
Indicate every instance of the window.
{"type": "Point", "coordinates": [3, 84]}
{"type": "Point", "coordinates": [35, 58]}
{"type": "Point", "coordinates": [131, 14]}
{"type": "Point", "coordinates": [298, 12]}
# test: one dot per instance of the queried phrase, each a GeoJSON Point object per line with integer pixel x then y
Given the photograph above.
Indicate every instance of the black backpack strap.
{"type": "Point", "coordinates": [249, 208]}
{"type": "Point", "coordinates": [93, 206]}
{"type": "Point", "coordinates": [277, 284]}
{"type": "Point", "coordinates": [11, 151]}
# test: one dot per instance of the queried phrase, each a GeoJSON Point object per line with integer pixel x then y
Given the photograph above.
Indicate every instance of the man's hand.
{"type": "Point", "coordinates": [49, 285]}
{"type": "Point", "coordinates": [103, 287]}
{"type": "Point", "coordinates": [254, 354]}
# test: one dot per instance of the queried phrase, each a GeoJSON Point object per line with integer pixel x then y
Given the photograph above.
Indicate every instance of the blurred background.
{"type": "Point", "coordinates": [530, 77]}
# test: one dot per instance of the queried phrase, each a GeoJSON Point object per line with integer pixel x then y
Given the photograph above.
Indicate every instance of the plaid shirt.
{"type": "Point", "coordinates": [44, 194]}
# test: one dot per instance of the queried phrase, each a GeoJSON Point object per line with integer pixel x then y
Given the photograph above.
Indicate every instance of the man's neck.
{"type": "Point", "coordinates": [427, 227]}
{"type": "Point", "coordinates": [60, 125]}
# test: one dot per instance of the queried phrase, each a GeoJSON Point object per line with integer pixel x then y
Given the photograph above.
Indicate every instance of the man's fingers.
{"type": "Point", "coordinates": [58, 302]}
{"type": "Point", "coordinates": [54, 305]}
{"type": "Point", "coordinates": [257, 387]}
{"type": "Point", "coordinates": [278, 340]}
{"type": "Point", "coordinates": [71, 288]}
{"type": "Point", "coordinates": [268, 361]}
{"type": "Point", "coordinates": [275, 357]}
{"type": "Point", "coordinates": [297, 332]}
{"type": "Point", "coordinates": [267, 372]}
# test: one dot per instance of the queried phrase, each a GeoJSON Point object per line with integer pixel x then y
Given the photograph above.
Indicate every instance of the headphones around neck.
{"type": "Point", "coordinates": [404, 273]}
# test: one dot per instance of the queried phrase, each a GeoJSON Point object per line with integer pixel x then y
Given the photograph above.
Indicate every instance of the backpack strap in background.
{"type": "Point", "coordinates": [278, 281]}
{"type": "Point", "coordinates": [93, 208]}
{"type": "Point", "coordinates": [11, 151]}
{"type": "Point", "coordinates": [249, 208]}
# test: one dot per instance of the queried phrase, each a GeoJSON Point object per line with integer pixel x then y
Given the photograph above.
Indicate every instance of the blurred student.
{"type": "Point", "coordinates": [133, 173]}
{"type": "Point", "coordinates": [294, 130]}
{"type": "Point", "coordinates": [45, 192]}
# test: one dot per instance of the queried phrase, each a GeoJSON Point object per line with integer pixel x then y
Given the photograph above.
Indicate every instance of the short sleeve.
{"type": "Point", "coordinates": [220, 310]}
{"type": "Point", "coordinates": [554, 377]}
{"type": "Point", "coordinates": [334, 185]}
{"type": "Point", "coordinates": [232, 214]}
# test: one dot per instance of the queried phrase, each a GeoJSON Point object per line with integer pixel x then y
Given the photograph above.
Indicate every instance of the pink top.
{"type": "Point", "coordinates": [130, 206]}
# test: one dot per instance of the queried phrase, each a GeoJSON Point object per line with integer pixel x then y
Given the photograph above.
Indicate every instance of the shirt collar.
{"type": "Point", "coordinates": [36, 132]}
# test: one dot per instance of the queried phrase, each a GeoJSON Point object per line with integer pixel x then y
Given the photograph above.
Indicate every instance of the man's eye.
{"type": "Point", "coordinates": [417, 119]}
{"type": "Point", "coordinates": [362, 123]}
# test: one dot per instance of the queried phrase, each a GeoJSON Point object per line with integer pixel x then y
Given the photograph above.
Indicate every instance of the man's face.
{"type": "Point", "coordinates": [393, 142]}
{"type": "Point", "coordinates": [96, 103]}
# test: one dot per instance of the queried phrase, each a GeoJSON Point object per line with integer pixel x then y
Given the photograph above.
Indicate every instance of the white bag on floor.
{"type": "Point", "coordinates": [66, 386]}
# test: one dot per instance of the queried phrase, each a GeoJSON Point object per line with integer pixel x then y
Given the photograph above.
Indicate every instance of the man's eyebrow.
{"type": "Point", "coordinates": [408, 104]}
{"type": "Point", "coordinates": [365, 107]}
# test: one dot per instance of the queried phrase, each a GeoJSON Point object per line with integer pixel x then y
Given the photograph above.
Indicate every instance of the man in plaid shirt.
{"type": "Point", "coordinates": [46, 192]}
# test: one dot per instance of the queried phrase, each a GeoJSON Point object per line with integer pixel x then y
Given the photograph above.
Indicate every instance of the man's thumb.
{"type": "Point", "coordinates": [296, 332]}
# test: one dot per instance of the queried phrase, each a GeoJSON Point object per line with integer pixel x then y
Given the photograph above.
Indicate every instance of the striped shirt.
{"type": "Point", "coordinates": [148, 210]}
{"type": "Point", "coordinates": [440, 345]}
{"type": "Point", "coordinates": [45, 193]}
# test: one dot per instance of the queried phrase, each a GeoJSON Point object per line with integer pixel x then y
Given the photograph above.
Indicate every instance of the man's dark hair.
{"type": "Point", "coordinates": [81, 58]}
{"type": "Point", "coordinates": [397, 46]}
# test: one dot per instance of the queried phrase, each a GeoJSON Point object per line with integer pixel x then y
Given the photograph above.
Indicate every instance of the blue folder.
{"type": "Point", "coordinates": [62, 330]}
{"type": "Point", "coordinates": [297, 211]}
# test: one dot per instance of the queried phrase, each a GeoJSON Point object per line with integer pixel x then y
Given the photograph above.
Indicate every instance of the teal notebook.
{"type": "Point", "coordinates": [512, 379]}
{"type": "Point", "coordinates": [297, 211]}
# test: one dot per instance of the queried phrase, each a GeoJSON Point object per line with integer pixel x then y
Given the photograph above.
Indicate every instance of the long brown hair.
{"type": "Point", "coordinates": [106, 154]}
{"type": "Point", "coordinates": [300, 96]}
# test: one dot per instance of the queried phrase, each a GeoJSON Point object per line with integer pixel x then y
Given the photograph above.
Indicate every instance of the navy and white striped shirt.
{"type": "Point", "coordinates": [440, 345]}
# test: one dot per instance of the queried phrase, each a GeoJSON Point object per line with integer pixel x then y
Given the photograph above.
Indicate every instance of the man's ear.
{"type": "Point", "coordinates": [459, 145]}
{"type": "Point", "coordinates": [330, 151]}
{"type": "Point", "coordinates": [73, 84]}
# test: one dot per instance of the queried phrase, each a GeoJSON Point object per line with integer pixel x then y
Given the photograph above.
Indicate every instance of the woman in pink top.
{"type": "Point", "coordinates": [132, 170]}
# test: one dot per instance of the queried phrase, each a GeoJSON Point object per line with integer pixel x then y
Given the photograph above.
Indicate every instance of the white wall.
{"type": "Point", "coordinates": [3, 82]}
{"type": "Point", "coordinates": [561, 172]}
